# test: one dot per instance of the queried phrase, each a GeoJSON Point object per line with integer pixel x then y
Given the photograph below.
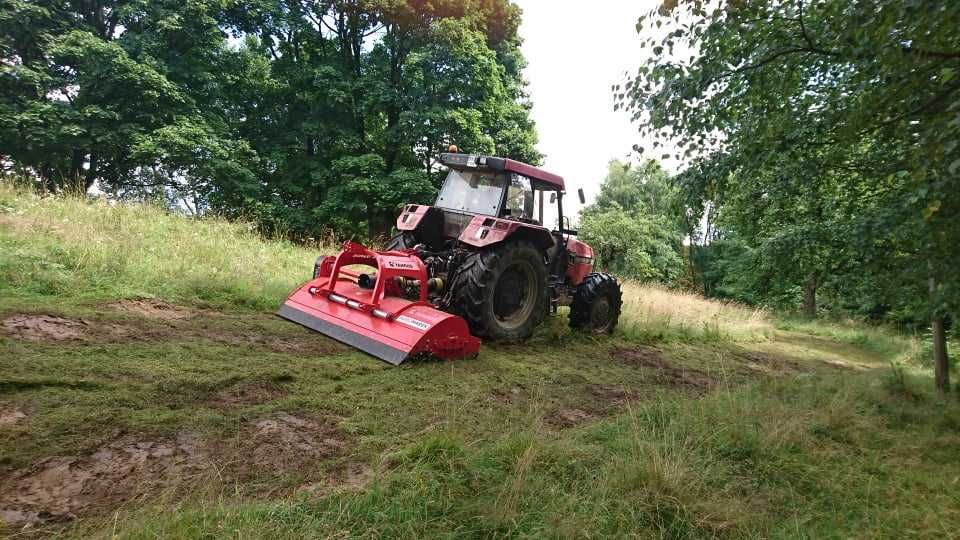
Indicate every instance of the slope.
{"type": "Point", "coordinates": [146, 390]}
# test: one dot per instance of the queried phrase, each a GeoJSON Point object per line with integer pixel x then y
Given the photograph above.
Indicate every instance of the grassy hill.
{"type": "Point", "coordinates": [147, 391]}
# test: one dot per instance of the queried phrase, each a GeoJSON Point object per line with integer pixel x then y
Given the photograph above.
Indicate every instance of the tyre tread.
{"type": "Point", "coordinates": [592, 287]}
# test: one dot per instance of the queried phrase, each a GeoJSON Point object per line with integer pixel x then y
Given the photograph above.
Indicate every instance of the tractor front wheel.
{"type": "Point", "coordinates": [502, 291]}
{"type": "Point", "coordinates": [596, 304]}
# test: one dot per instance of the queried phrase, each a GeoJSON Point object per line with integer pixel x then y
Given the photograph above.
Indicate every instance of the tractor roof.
{"type": "Point", "coordinates": [470, 161]}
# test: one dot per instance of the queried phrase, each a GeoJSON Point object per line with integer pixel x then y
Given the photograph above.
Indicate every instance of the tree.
{"type": "Point", "coordinates": [632, 226]}
{"type": "Point", "coordinates": [855, 121]}
{"type": "Point", "coordinates": [303, 115]}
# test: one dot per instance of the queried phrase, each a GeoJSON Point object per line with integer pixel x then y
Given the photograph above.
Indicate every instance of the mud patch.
{"type": "Point", "coordinates": [663, 372]}
{"type": "Point", "coordinates": [567, 418]}
{"type": "Point", "coordinates": [353, 477]}
{"type": "Point", "coordinates": [641, 357]}
{"type": "Point", "coordinates": [313, 343]}
{"type": "Point", "coordinates": [152, 309]}
{"type": "Point", "coordinates": [611, 394]}
{"type": "Point", "coordinates": [284, 442]}
{"type": "Point", "coordinates": [45, 328]}
{"type": "Point", "coordinates": [243, 395]}
{"type": "Point", "coordinates": [10, 417]}
{"type": "Point", "coordinates": [170, 322]}
{"type": "Point", "coordinates": [59, 488]}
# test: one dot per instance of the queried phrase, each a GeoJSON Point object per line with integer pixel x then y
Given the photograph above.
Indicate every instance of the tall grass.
{"type": "Point", "coordinates": [74, 248]}
{"type": "Point", "coordinates": [655, 312]}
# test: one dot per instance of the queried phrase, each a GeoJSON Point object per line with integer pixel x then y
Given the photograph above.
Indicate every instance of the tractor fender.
{"type": "Point", "coordinates": [580, 264]}
{"type": "Point", "coordinates": [484, 231]}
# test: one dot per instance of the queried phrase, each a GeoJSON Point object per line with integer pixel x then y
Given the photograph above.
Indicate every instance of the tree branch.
{"type": "Point", "coordinates": [759, 64]}
{"type": "Point", "coordinates": [803, 27]}
{"type": "Point", "coordinates": [932, 54]}
{"type": "Point", "coordinates": [933, 101]}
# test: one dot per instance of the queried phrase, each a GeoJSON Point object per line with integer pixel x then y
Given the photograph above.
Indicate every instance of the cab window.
{"type": "Point", "coordinates": [519, 202]}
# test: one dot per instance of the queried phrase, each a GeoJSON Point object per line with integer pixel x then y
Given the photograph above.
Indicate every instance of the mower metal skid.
{"type": "Point", "coordinates": [374, 318]}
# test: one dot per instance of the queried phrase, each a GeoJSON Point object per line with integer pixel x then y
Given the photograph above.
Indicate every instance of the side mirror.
{"type": "Point", "coordinates": [553, 197]}
{"type": "Point", "coordinates": [583, 200]}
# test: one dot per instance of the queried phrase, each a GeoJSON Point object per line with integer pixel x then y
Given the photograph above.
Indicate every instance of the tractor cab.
{"type": "Point", "coordinates": [501, 188]}
{"type": "Point", "coordinates": [490, 193]}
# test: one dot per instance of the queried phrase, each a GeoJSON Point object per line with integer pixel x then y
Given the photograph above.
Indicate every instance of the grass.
{"type": "Point", "coordinates": [696, 419]}
{"type": "Point", "coordinates": [70, 249]}
{"type": "Point", "coordinates": [908, 351]}
{"type": "Point", "coordinates": [655, 312]}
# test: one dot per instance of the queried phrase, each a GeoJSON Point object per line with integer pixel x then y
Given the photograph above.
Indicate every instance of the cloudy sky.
{"type": "Point", "coordinates": [575, 51]}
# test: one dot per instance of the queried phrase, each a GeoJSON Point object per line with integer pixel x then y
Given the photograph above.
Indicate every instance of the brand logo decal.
{"type": "Point", "coordinates": [413, 323]}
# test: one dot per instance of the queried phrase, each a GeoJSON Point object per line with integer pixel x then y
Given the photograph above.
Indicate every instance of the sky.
{"type": "Point", "coordinates": [575, 52]}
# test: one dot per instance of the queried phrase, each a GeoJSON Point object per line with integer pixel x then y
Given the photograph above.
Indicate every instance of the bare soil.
{"type": "Point", "coordinates": [640, 356]}
{"type": "Point", "coordinates": [51, 328]}
{"type": "Point", "coordinates": [612, 394]}
{"type": "Point", "coordinates": [169, 322]}
{"type": "Point", "coordinates": [253, 393]}
{"type": "Point", "coordinates": [284, 442]}
{"type": "Point", "coordinates": [60, 488]}
{"type": "Point", "coordinates": [153, 309]}
{"type": "Point", "coordinates": [567, 418]}
{"type": "Point", "coordinates": [663, 372]}
{"type": "Point", "coordinates": [44, 328]}
{"type": "Point", "coordinates": [309, 343]}
{"type": "Point", "coordinates": [10, 416]}
{"type": "Point", "coordinates": [353, 477]}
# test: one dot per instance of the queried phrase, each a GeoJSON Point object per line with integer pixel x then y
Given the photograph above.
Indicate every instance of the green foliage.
{"type": "Point", "coordinates": [303, 117]}
{"type": "Point", "coordinates": [632, 225]}
{"type": "Point", "coordinates": [827, 149]}
{"type": "Point", "coordinates": [634, 246]}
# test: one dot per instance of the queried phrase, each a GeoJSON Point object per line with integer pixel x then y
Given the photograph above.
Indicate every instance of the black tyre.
{"type": "Point", "coordinates": [316, 266]}
{"type": "Point", "coordinates": [502, 291]}
{"type": "Point", "coordinates": [404, 240]}
{"type": "Point", "coordinates": [596, 304]}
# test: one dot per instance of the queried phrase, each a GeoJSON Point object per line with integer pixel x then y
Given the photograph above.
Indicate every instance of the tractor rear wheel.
{"type": "Point", "coordinates": [404, 240]}
{"type": "Point", "coordinates": [502, 291]}
{"type": "Point", "coordinates": [596, 304]}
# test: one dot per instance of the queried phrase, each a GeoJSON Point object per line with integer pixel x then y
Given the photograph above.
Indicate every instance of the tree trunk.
{"type": "Point", "coordinates": [810, 295]}
{"type": "Point", "coordinates": [941, 364]}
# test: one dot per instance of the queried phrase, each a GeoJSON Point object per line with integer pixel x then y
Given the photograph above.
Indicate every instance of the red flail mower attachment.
{"type": "Point", "coordinates": [368, 312]}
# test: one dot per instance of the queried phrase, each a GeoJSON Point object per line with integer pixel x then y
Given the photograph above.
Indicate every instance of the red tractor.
{"type": "Point", "coordinates": [479, 262]}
